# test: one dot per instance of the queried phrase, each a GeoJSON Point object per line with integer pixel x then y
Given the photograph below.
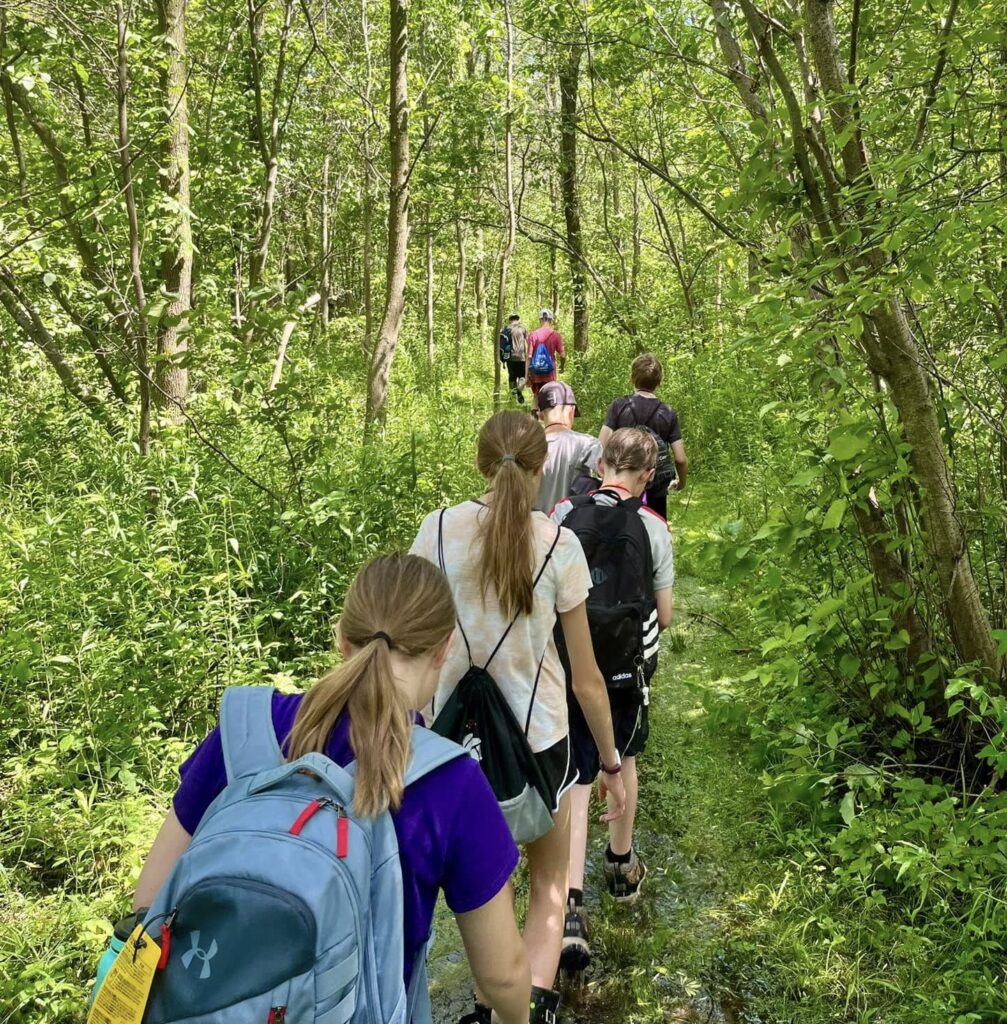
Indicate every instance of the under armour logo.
{"type": "Point", "coordinates": [598, 576]}
{"type": "Point", "coordinates": [206, 955]}
{"type": "Point", "coordinates": [473, 744]}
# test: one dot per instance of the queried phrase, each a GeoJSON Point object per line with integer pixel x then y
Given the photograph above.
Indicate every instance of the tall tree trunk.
{"type": "Point", "coordinates": [367, 208]}
{"type": "Point", "coordinates": [480, 288]}
{"type": "Point", "coordinates": [398, 216]}
{"type": "Point", "coordinates": [172, 376]}
{"type": "Point", "coordinates": [903, 365]}
{"type": "Point", "coordinates": [429, 304]}
{"type": "Point", "coordinates": [126, 170]}
{"type": "Point", "coordinates": [634, 273]}
{"type": "Point", "coordinates": [508, 249]}
{"type": "Point", "coordinates": [367, 258]}
{"type": "Point", "coordinates": [569, 78]}
{"type": "Point", "coordinates": [270, 137]}
{"type": "Point", "coordinates": [459, 293]}
{"type": "Point", "coordinates": [325, 285]}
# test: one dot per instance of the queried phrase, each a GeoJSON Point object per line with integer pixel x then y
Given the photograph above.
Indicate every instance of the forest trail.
{"type": "Point", "coordinates": [655, 960]}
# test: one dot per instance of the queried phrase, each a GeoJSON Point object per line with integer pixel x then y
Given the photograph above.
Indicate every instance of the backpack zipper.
{"type": "Point", "coordinates": [342, 824]}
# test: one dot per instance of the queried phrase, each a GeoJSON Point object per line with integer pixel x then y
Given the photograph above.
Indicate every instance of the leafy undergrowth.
{"type": "Point", "coordinates": [754, 911]}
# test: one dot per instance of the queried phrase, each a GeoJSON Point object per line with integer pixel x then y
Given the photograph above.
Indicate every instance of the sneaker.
{"type": "Point", "coordinates": [520, 396]}
{"type": "Point", "coordinates": [480, 1015]}
{"type": "Point", "coordinates": [576, 955]}
{"type": "Point", "coordinates": [544, 1006]}
{"type": "Point", "coordinates": [625, 880]}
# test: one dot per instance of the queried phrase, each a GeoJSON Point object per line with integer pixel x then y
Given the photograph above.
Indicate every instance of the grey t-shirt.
{"type": "Point", "coordinates": [519, 343]}
{"type": "Point", "coordinates": [571, 454]}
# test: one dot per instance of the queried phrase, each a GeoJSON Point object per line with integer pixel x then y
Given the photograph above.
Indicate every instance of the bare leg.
{"type": "Point", "coordinates": [580, 812]}
{"type": "Point", "coordinates": [548, 870]}
{"type": "Point", "coordinates": [620, 831]}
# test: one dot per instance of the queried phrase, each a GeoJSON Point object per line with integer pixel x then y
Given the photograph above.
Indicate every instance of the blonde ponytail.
{"type": "Point", "coordinates": [397, 602]}
{"type": "Point", "coordinates": [512, 449]}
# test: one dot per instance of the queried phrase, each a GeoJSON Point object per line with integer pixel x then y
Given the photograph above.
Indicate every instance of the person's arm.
{"type": "Point", "coordinates": [589, 689]}
{"type": "Point", "coordinates": [681, 464]}
{"type": "Point", "coordinates": [171, 842]}
{"type": "Point", "coordinates": [561, 353]}
{"type": "Point", "coordinates": [665, 607]}
{"type": "Point", "coordinates": [497, 957]}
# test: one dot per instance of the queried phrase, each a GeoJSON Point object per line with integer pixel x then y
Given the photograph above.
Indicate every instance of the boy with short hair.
{"type": "Point", "coordinates": [644, 409]}
{"type": "Point", "coordinates": [629, 551]}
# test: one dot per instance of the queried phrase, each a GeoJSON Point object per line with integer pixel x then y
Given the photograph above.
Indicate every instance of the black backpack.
{"type": "Point", "coordinates": [621, 609]}
{"type": "Point", "coordinates": [506, 345]}
{"type": "Point", "coordinates": [477, 716]}
{"type": "Point", "coordinates": [666, 471]}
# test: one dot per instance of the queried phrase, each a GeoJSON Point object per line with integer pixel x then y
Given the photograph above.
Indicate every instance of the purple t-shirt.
{"type": "Point", "coordinates": [452, 834]}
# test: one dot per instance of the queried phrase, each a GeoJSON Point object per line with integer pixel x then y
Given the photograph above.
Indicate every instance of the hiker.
{"type": "Point", "coordinates": [512, 572]}
{"type": "Point", "coordinates": [311, 850]}
{"type": "Point", "coordinates": [514, 354]}
{"type": "Point", "coordinates": [573, 457]}
{"type": "Point", "coordinates": [644, 409]}
{"type": "Point", "coordinates": [629, 551]}
{"type": "Point", "coordinates": [545, 352]}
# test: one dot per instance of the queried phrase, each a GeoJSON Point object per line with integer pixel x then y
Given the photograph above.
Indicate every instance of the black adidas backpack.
{"type": "Point", "coordinates": [621, 609]}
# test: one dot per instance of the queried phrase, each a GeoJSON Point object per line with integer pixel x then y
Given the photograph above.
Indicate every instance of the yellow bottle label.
{"type": "Point", "coordinates": [123, 995]}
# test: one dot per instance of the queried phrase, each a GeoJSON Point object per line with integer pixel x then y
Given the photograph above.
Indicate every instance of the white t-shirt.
{"type": "Point", "coordinates": [564, 585]}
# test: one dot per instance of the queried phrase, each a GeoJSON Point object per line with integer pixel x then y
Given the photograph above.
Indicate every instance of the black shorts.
{"type": "Point", "coordinates": [558, 768]}
{"type": "Point", "coordinates": [631, 725]}
{"type": "Point", "coordinates": [515, 371]}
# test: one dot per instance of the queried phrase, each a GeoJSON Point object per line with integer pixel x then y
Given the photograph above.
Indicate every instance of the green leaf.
{"type": "Point", "coordinates": [835, 515]}
{"type": "Point", "coordinates": [844, 447]}
{"type": "Point", "coordinates": [848, 808]}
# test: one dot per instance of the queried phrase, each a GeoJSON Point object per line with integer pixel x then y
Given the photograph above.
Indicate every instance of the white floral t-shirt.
{"type": "Point", "coordinates": [564, 585]}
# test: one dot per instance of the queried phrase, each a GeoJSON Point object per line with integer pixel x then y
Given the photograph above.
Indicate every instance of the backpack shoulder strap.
{"type": "Point", "coordinates": [430, 751]}
{"type": "Point", "coordinates": [246, 731]}
{"type": "Point", "coordinates": [625, 405]}
{"type": "Point", "coordinates": [444, 569]}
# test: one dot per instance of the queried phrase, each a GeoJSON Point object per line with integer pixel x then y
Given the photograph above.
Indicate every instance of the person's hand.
{"type": "Point", "coordinates": [612, 788]}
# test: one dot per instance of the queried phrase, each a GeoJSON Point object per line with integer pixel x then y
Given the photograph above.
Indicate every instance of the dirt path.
{"type": "Point", "coordinates": [655, 960]}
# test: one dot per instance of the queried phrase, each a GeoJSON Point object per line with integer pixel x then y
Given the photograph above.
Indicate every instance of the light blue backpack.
{"type": "Point", "coordinates": [286, 907]}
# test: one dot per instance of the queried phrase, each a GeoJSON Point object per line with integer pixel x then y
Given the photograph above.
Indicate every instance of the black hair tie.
{"type": "Point", "coordinates": [382, 635]}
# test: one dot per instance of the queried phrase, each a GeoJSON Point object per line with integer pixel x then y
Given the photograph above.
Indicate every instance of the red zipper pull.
{"type": "Point", "coordinates": [306, 815]}
{"type": "Point", "coordinates": [166, 926]}
{"type": "Point", "coordinates": [165, 946]}
{"type": "Point", "coordinates": [342, 835]}
{"type": "Point", "coordinates": [277, 1015]}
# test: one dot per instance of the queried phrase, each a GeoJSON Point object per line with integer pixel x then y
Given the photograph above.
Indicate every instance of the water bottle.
{"type": "Point", "coordinates": [122, 932]}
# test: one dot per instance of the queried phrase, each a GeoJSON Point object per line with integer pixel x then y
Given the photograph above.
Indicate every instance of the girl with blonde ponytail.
{"type": "Point", "coordinates": [512, 572]}
{"type": "Point", "coordinates": [395, 635]}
